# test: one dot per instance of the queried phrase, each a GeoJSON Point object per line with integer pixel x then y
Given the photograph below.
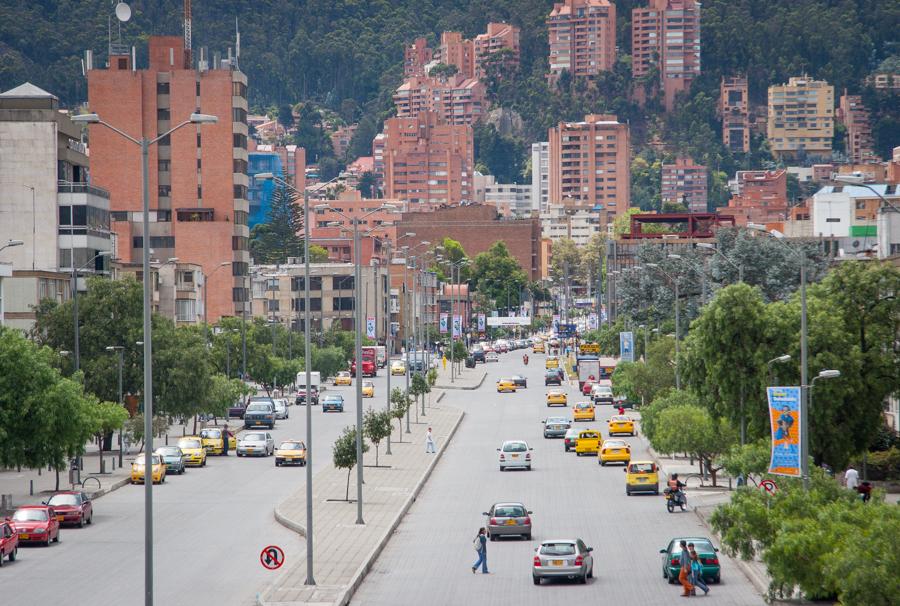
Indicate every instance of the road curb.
{"type": "Point", "coordinates": [114, 486]}
{"type": "Point", "coordinates": [761, 585]}
{"type": "Point", "coordinates": [483, 377]}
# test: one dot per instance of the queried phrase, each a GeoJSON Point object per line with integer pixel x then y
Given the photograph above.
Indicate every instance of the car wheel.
{"type": "Point", "coordinates": [528, 537]}
{"type": "Point", "coordinates": [14, 555]}
{"type": "Point", "coordinates": [528, 468]}
{"type": "Point", "coordinates": [1, 559]}
{"type": "Point", "coordinates": [666, 576]}
{"type": "Point", "coordinates": [81, 521]}
{"type": "Point", "coordinates": [718, 579]}
{"type": "Point", "coordinates": [591, 572]}
{"type": "Point", "coordinates": [501, 468]}
{"type": "Point", "coordinates": [492, 537]}
{"type": "Point", "coordinates": [627, 493]}
{"type": "Point", "coordinates": [277, 463]}
{"type": "Point", "coordinates": [583, 579]}
{"type": "Point", "coordinates": [602, 463]}
{"type": "Point", "coordinates": [203, 464]}
{"type": "Point", "coordinates": [536, 580]}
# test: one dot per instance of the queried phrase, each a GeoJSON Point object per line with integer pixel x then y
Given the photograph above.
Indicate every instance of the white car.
{"type": "Point", "coordinates": [281, 410]}
{"type": "Point", "coordinates": [256, 443]}
{"type": "Point", "coordinates": [491, 356]}
{"type": "Point", "coordinates": [514, 453]}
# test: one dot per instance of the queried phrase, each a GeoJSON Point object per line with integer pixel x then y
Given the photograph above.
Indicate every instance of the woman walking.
{"type": "Point", "coordinates": [480, 545]}
{"type": "Point", "coordinates": [697, 572]}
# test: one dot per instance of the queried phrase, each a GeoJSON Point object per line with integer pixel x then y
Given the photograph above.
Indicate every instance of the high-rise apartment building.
{"type": "Point", "coordinates": [198, 175]}
{"type": "Point", "coordinates": [378, 161]}
{"type": "Point", "coordinates": [540, 176]}
{"type": "Point", "coordinates": [760, 196]}
{"type": "Point", "coordinates": [415, 57]}
{"type": "Point", "coordinates": [685, 183]}
{"type": "Point", "coordinates": [855, 118]}
{"type": "Point", "coordinates": [801, 118]}
{"type": "Point", "coordinates": [456, 99]}
{"type": "Point", "coordinates": [456, 50]}
{"type": "Point", "coordinates": [667, 34]}
{"type": "Point", "coordinates": [734, 108]}
{"type": "Point", "coordinates": [582, 35]}
{"type": "Point", "coordinates": [427, 161]}
{"type": "Point", "coordinates": [590, 164]}
{"type": "Point", "coordinates": [498, 37]}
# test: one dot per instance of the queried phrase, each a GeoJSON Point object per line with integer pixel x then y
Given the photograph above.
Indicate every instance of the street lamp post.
{"type": "Point", "coordinates": [677, 322]}
{"type": "Point", "coordinates": [145, 143]}
{"type": "Point", "coordinates": [206, 278]}
{"type": "Point", "coordinates": [75, 271]}
{"type": "Point", "coordinates": [780, 359]}
{"type": "Point", "coordinates": [388, 338]}
{"type": "Point", "coordinates": [120, 353]}
{"type": "Point", "coordinates": [715, 249]}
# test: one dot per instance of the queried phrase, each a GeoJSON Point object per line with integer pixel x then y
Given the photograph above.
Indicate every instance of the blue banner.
{"type": "Point", "coordinates": [784, 412]}
{"type": "Point", "coordinates": [626, 346]}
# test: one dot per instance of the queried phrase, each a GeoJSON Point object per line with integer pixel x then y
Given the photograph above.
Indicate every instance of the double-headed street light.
{"type": "Point", "coordinates": [778, 360]}
{"type": "Point", "coordinates": [144, 143]}
{"type": "Point", "coordinates": [11, 243]}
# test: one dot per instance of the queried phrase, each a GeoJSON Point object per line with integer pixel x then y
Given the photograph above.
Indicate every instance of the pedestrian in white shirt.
{"type": "Point", "coordinates": [429, 441]}
{"type": "Point", "coordinates": [851, 478]}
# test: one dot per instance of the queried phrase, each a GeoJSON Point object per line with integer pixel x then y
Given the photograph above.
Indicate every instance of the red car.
{"type": "Point", "coordinates": [9, 541]}
{"type": "Point", "coordinates": [36, 524]}
{"type": "Point", "coordinates": [72, 507]}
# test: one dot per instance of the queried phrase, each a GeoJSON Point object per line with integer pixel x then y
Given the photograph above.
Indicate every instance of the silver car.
{"type": "Point", "coordinates": [556, 427]}
{"type": "Point", "coordinates": [281, 410]}
{"type": "Point", "coordinates": [256, 443]}
{"type": "Point", "coordinates": [563, 559]}
{"type": "Point", "coordinates": [508, 519]}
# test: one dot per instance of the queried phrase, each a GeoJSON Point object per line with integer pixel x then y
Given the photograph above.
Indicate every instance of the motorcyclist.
{"type": "Point", "coordinates": [675, 489]}
{"type": "Point", "coordinates": [525, 359]}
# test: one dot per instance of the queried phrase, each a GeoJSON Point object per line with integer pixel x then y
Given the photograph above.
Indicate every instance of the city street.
{"type": "Point", "coordinates": [429, 557]}
{"type": "Point", "coordinates": [210, 526]}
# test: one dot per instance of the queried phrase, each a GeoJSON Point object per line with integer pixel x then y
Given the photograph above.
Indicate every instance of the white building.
{"type": "Point", "coordinates": [511, 199]}
{"type": "Point", "coordinates": [540, 176]}
{"type": "Point", "coordinates": [575, 222]}
{"type": "Point", "coordinates": [854, 214]}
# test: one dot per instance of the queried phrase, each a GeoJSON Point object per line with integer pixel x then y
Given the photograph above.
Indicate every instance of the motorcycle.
{"type": "Point", "coordinates": [675, 498]}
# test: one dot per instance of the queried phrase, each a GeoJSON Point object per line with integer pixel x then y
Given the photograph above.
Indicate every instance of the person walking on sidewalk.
{"type": "Point", "coordinates": [697, 571]}
{"type": "Point", "coordinates": [851, 478]}
{"type": "Point", "coordinates": [480, 545]}
{"type": "Point", "coordinates": [684, 575]}
{"type": "Point", "coordinates": [225, 440]}
{"type": "Point", "coordinates": [429, 442]}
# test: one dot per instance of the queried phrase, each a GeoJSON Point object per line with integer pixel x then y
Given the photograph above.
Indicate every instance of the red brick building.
{"type": "Point", "coordinates": [761, 198]}
{"type": "Point", "coordinates": [415, 57]}
{"type": "Point", "coordinates": [855, 117]}
{"type": "Point", "coordinates": [198, 176]}
{"type": "Point", "coordinates": [685, 183]}
{"type": "Point", "coordinates": [582, 36]}
{"type": "Point", "coordinates": [456, 99]}
{"type": "Point", "coordinates": [498, 37]}
{"type": "Point", "coordinates": [734, 108]}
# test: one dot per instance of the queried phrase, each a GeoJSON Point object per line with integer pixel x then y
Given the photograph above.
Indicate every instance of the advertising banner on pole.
{"type": "Point", "coordinates": [784, 413]}
{"type": "Point", "coordinates": [444, 318]}
{"type": "Point", "coordinates": [555, 322]}
{"type": "Point", "coordinates": [370, 327]}
{"type": "Point", "coordinates": [592, 322]}
{"type": "Point", "coordinates": [457, 326]}
{"type": "Point", "coordinates": [626, 346]}
{"type": "Point", "coordinates": [481, 322]}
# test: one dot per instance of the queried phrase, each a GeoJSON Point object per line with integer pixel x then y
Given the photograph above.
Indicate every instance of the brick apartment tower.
{"type": "Point", "coordinates": [801, 118]}
{"type": "Point", "coordinates": [667, 34]}
{"type": "Point", "coordinates": [456, 99]}
{"type": "Point", "coordinates": [415, 57]}
{"type": "Point", "coordinates": [855, 117]}
{"type": "Point", "coordinates": [685, 183]}
{"type": "Point", "coordinates": [198, 178]}
{"type": "Point", "coordinates": [427, 161]}
{"type": "Point", "coordinates": [590, 164]}
{"type": "Point", "coordinates": [498, 37]}
{"type": "Point", "coordinates": [456, 50]}
{"type": "Point", "coordinates": [582, 37]}
{"type": "Point", "coordinates": [734, 108]}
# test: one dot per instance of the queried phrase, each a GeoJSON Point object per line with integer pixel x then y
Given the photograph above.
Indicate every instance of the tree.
{"type": "Point", "coordinates": [691, 429]}
{"type": "Point", "coordinates": [344, 453]}
{"type": "Point", "coordinates": [452, 252]}
{"type": "Point", "coordinates": [377, 427]}
{"type": "Point", "coordinates": [222, 393]}
{"type": "Point", "coordinates": [592, 255]}
{"type": "Point", "coordinates": [650, 415]}
{"type": "Point", "coordinates": [286, 116]}
{"type": "Point", "coordinates": [134, 428]}
{"type": "Point", "coordinates": [107, 417]}
{"type": "Point", "coordinates": [277, 239]}
{"type": "Point", "coordinates": [367, 184]}
{"type": "Point", "coordinates": [328, 360]}
{"type": "Point", "coordinates": [418, 387]}
{"type": "Point", "coordinates": [752, 458]}
{"type": "Point", "coordinates": [566, 262]}
{"type": "Point", "coordinates": [497, 274]}
{"type": "Point", "coordinates": [400, 403]}
{"type": "Point", "coordinates": [643, 381]}
{"type": "Point", "coordinates": [442, 71]}
{"type": "Point", "coordinates": [502, 156]}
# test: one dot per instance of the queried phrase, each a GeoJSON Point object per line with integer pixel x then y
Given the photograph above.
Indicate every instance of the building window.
{"type": "Point", "coordinates": [298, 284]}
{"type": "Point", "coordinates": [240, 217]}
{"type": "Point", "coordinates": [299, 304]}
{"type": "Point", "coordinates": [164, 166]}
{"type": "Point", "coordinates": [123, 63]}
{"type": "Point", "coordinates": [185, 310]}
{"type": "Point", "coordinates": [198, 92]}
{"type": "Point", "coordinates": [239, 166]}
{"type": "Point", "coordinates": [271, 284]}
{"type": "Point", "coordinates": [116, 215]}
{"type": "Point", "coordinates": [194, 215]}
{"type": "Point", "coordinates": [162, 88]}
{"type": "Point", "coordinates": [65, 216]}
{"type": "Point", "coordinates": [187, 277]}
{"type": "Point", "coordinates": [238, 89]}
{"type": "Point", "coordinates": [199, 192]}
{"type": "Point", "coordinates": [240, 192]}
{"type": "Point", "coordinates": [165, 141]}
{"type": "Point", "coordinates": [162, 114]}
{"type": "Point", "coordinates": [342, 304]}
{"type": "Point", "coordinates": [239, 295]}
{"type": "Point", "coordinates": [239, 141]}
{"type": "Point", "coordinates": [155, 242]}
{"type": "Point", "coordinates": [342, 283]}
{"type": "Point", "coordinates": [239, 114]}
{"type": "Point", "coordinates": [164, 216]}
{"type": "Point", "coordinates": [238, 243]}
{"type": "Point", "coordinates": [272, 305]}
{"type": "Point", "coordinates": [239, 268]}
{"type": "Point", "coordinates": [165, 191]}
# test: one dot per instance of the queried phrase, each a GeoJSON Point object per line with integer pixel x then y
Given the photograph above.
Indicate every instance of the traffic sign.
{"type": "Point", "coordinates": [769, 486]}
{"type": "Point", "coordinates": [272, 557]}
{"type": "Point", "coordinates": [589, 348]}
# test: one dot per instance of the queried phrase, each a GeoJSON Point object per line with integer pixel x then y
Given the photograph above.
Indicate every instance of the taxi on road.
{"type": "Point", "coordinates": [211, 438]}
{"type": "Point", "coordinates": [398, 367]}
{"type": "Point", "coordinates": [506, 385]}
{"type": "Point", "coordinates": [641, 476]}
{"type": "Point", "coordinates": [620, 424]}
{"type": "Point", "coordinates": [342, 378]}
{"type": "Point", "coordinates": [584, 411]}
{"type": "Point", "coordinates": [368, 389]}
{"type": "Point", "coordinates": [157, 469]}
{"type": "Point", "coordinates": [551, 362]}
{"type": "Point", "coordinates": [194, 453]}
{"type": "Point", "coordinates": [538, 347]}
{"type": "Point", "coordinates": [557, 397]}
{"type": "Point", "coordinates": [615, 451]}
{"type": "Point", "coordinates": [290, 452]}
{"type": "Point", "coordinates": [587, 442]}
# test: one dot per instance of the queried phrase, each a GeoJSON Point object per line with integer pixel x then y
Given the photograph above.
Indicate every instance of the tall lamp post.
{"type": "Point", "coordinates": [145, 143]}
{"type": "Point", "coordinates": [120, 354]}
{"type": "Point", "coordinates": [455, 300]}
{"type": "Point", "coordinates": [779, 360]}
{"type": "Point", "coordinates": [674, 281]}
{"type": "Point", "coordinates": [206, 279]}
{"type": "Point", "coordinates": [75, 271]}
{"type": "Point", "coordinates": [717, 252]}
{"type": "Point", "coordinates": [358, 338]}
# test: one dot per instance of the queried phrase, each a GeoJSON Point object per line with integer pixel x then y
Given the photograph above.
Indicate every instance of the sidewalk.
{"type": "Point", "coordinates": [345, 551]}
{"type": "Point", "coordinates": [466, 378]}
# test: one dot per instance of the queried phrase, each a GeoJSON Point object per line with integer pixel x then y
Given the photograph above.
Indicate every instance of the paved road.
{"type": "Point", "coordinates": [427, 561]}
{"type": "Point", "coordinates": [210, 526]}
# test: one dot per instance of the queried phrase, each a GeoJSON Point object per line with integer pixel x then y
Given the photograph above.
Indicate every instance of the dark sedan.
{"type": "Point", "coordinates": [173, 457]}
{"type": "Point", "coordinates": [236, 410]}
{"type": "Point", "coordinates": [478, 354]}
{"type": "Point", "coordinates": [72, 507]}
{"type": "Point", "coordinates": [552, 378]}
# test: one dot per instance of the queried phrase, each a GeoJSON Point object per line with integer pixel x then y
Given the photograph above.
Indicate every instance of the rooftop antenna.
{"type": "Point", "coordinates": [188, 54]}
{"type": "Point", "coordinates": [237, 44]}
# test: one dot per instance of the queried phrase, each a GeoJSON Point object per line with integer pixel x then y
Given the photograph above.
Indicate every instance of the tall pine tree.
{"type": "Point", "coordinates": [279, 237]}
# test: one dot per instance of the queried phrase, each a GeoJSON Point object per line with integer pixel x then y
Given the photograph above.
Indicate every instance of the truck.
{"type": "Point", "coordinates": [369, 362]}
{"type": "Point", "coordinates": [381, 355]}
{"type": "Point", "coordinates": [588, 370]}
{"type": "Point", "coordinates": [315, 380]}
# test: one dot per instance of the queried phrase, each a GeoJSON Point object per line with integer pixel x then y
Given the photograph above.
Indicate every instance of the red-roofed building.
{"type": "Point", "coordinates": [456, 99]}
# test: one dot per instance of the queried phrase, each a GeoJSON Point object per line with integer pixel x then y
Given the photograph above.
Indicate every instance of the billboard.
{"type": "Point", "coordinates": [457, 326]}
{"type": "Point", "coordinates": [444, 318]}
{"type": "Point", "coordinates": [481, 322]}
{"type": "Point", "coordinates": [370, 327]}
{"type": "Point", "coordinates": [509, 321]}
{"type": "Point", "coordinates": [784, 414]}
{"type": "Point", "coordinates": [593, 324]}
{"type": "Point", "coordinates": [626, 346]}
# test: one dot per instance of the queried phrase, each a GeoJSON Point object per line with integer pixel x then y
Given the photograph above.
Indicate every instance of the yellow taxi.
{"type": "Point", "coordinates": [157, 472]}
{"type": "Point", "coordinates": [551, 363]}
{"type": "Point", "coordinates": [211, 438]}
{"type": "Point", "coordinates": [620, 424]}
{"type": "Point", "coordinates": [587, 442]}
{"type": "Point", "coordinates": [194, 453]}
{"type": "Point", "coordinates": [342, 378]}
{"type": "Point", "coordinates": [368, 389]}
{"type": "Point", "coordinates": [398, 367]}
{"type": "Point", "coordinates": [615, 451]}
{"type": "Point", "coordinates": [584, 411]}
{"type": "Point", "coordinates": [506, 385]}
{"type": "Point", "coordinates": [557, 398]}
{"type": "Point", "coordinates": [641, 476]}
{"type": "Point", "coordinates": [290, 452]}
{"type": "Point", "coordinates": [538, 347]}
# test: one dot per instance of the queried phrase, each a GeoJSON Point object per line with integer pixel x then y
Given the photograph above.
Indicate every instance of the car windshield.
{"type": "Point", "coordinates": [614, 444]}
{"type": "Point", "coordinates": [258, 407]}
{"type": "Point", "coordinates": [558, 549]}
{"type": "Point", "coordinates": [589, 435]}
{"type": "Point", "coordinates": [699, 545]}
{"type": "Point", "coordinates": [583, 405]}
{"type": "Point", "coordinates": [344, 374]}
{"type": "Point", "coordinates": [515, 447]}
{"type": "Point", "coordinates": [555, 420]}
{"type": "Point", "coordinates": [139, 461]}
{"type": "Point", "coordinates": [168, 451]}
{"type": "Point", "coordinates": [509, 511]}
{"type": "Point", "coordinates": [253, 437]}
{"type": "Point", "coordinates": [292, 446]}
{"type": "Point", "coordinates": [334, 399]}
{"type": "Point", "coordinates": [64, 499]}
{"type": "Point", "coordinates": [30, 515]}
{"type": "Point", "coordinates": [618, 419]}
{"type": "Point", "coordinates": [211, 433]}
{"type": "Point", "coordinates": [189, 443]}
{"type": "Point", "coordinates": [368, 384]}
{"type": "Point", "coordinates": [641, 468]}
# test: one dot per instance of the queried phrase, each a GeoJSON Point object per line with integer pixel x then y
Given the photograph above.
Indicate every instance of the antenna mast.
{"type": "Point", "coordinates": [188, 54]}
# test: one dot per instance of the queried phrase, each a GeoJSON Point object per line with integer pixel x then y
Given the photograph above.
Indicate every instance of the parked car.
{"type": "Point", "coordinates": [478, 354]}
{"type": "Point", "coordinates": [157, 469]}
{"type": "Point", "coordinates": [260, 412]}
{"type": "Point", "coordinates": [281, 409]}
{"type": "Point", "coordinates": [237, 410]}
{"type": "Point", "coordinates": [333, 402]}
{"type": "Point", "coordinates": [173, 457]}
{"type": "Point", "coordinates": [193, 451]}
{"type": "Point", "coordinates": [72, 507]}
{"type": "Point", "coordinates": [565, 558]}
{"type": "Point", "coordinates": [256, 443]}
{"type": "Point", "coordinates": [36, 524]}
{"type": "Point", "coordinates": [213, 440]}
{"type": "Point", "coordinates": [491, 356]}
{"type": "Point", "coordinates": [506, 519]}
{"type": "Point", "coordinates": [9, 541]}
